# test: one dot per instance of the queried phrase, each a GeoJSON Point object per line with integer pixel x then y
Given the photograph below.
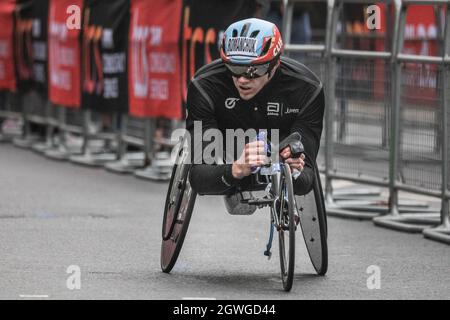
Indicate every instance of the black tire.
{"type": "Point", "coordinates": [170, 248]}
{"type": "Point", "coordinates": [287, 255]}
{"type": "Point", "coordinates": [313, 221]}
{"type": "Point", "coordinates": [322, 215]}
{"type": "Point", "coordinates": [178, 208]}
{"type": "Point", "coordinates": [320, 196]}
{"type": "Point", "coordinates": [172, 205]}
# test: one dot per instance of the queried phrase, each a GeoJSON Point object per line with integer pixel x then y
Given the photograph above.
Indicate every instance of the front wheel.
{"type": "Point", "coordinates": [286, 229]}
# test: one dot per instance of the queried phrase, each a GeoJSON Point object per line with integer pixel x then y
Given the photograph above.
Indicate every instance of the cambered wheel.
{"type": "Point", "coordinates": [178, 208]}
{"type": "Point", "coordinates": [313, 221]}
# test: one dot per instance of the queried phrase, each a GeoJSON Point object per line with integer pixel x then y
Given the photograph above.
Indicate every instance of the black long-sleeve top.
{"type": "Point", "coordinates": [293, 100]}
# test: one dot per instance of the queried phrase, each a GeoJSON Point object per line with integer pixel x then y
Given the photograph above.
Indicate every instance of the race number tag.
{"type": "Point", "coordinates": [242, 46]}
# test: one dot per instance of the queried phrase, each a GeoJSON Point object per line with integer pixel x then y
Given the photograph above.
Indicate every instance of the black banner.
{"type": "Point", "coordinates": [104, 56]}
{"type": "Point", "coordinates": [203, 24]}
{"type": "Point", "coordinates": [39, 41]}
{"type": "Point", "coordinates": [23, 46]}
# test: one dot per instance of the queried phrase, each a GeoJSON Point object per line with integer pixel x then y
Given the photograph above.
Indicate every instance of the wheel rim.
{"type": "Point", "coordinates": [176, 190]}
{"type": "Point", "coordinates": [177, 211]}
{"type": "Point", "coordinates": [314, 228]}
{"type": "Point", "coordinates": [171, 247]}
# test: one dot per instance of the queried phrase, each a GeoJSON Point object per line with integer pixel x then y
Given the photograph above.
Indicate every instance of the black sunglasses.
{"type": "Point", "coordinates": [249, 72]}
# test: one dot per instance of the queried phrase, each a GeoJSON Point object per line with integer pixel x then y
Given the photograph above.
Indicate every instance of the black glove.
{"type": "Point", "coordinates": [294, 142]}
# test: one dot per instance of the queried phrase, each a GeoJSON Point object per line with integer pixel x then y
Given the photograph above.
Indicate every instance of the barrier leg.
{"type": "Point", "coordinates": [41, 147]}
{"type": "Point", "coordinates": [160, 167]}
{"type": "Point", "coordinates": [62, 149]}
{"type": "Point", "coordinates": [128, 161]}
{"type": "Point", "coordinates": [11, 122]}
{"type": "Point", "coordinates": [355, 202]}
{"type": "Point", "coordinates": [28, 137]}
{"type": "Point", "coordinates": [89, 157]}
{"type": "Point", "coordinates": [442, 232]}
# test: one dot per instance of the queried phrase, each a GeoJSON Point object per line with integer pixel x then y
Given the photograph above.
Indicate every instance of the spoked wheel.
{"type": "Point", "coordinates": [178, 208]}
{"type": "Point", "coordinates": [286, 232]}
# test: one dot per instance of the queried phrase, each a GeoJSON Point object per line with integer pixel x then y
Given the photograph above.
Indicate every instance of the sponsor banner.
{"type": "Point", "coordinates": [104, 55]}
{"type": "Point", "coordinates": [23, 45]}
{"type": "Point", "coordinates": [154, 63]}
{"type": "Point", "coordinates": [7, 74]}
{"type": "Point", "coordinates": [420, 80]}
{"type": "Point", "coordinates": [64, 51]}
{"type": "Point", "coordinates": [39, 42]}
{"type": "Point", "coordinates": [203, 24]}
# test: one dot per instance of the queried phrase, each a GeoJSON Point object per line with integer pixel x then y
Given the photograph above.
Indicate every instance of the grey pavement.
{"type": "Point", "coordinates": [56, 214]}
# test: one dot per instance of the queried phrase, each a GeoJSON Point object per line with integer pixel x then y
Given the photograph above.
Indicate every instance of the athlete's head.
{"type": "Point", "coordinates": [251, 50]}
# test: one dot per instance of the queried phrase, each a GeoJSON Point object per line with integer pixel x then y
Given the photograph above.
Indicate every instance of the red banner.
{"type": "Point", "coordinates": [419, 80]}
{"type": "Point", "coordinates": [64, 54]}
{"type": "Point", "coordinates": [154, 64]}
{"type": "Point", "coordinates": [7, 75]}
{"type": "Point", "coordinates": [421, 33]}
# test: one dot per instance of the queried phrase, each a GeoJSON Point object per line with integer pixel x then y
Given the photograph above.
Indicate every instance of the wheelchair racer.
{"type": "Point", "coordinates": [253, 87]}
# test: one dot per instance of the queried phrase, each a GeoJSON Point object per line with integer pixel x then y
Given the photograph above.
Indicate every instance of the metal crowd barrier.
{"type": "Point", "coordinates": [51, 123]}
{"type": "Point", "coordinates": [160, 161]}
{"type": "Point", "coordinates": [132, 133]}
{"type": "Point", "coordinates": [34, 111]}
{"type": "Point", "coordinates": [416, 150]}
{"type": "Point", "coordinates": [148, 162]}
{"type": "Point", "coordinates": [442, 232]}
{"type": "Point", "coordinates": [68, 140]}
{"type": "Point", "coordinates": [11, 121]}
{"type": "Point", "coordinates": [312, 55]}
{"type": "Point", "coordinates": [100, 139]}
{"type": "Point", "coordinates": [357, 116]}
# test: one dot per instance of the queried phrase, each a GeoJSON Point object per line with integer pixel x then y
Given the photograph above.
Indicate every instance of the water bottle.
{"type": "Point", "coordinates": [260, 137]}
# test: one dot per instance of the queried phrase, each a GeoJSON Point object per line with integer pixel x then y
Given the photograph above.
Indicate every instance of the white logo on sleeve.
{"type": "Point", "coordinates": [230, 103]}
{"type": "Point", "coordinates": [291, 110]}
{"type": "Point", "coordinates": [273, 109]}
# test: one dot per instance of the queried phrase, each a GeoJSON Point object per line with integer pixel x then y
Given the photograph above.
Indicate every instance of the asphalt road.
{"type": "Point", "coordinates": [55, 214]}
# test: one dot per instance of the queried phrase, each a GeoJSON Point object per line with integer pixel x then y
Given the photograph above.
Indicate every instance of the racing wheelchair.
{"type": "Point", "coordinates": [287, 211]}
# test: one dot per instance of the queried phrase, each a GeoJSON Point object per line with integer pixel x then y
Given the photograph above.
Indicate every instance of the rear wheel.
{"type": "Point", "coordinates": [286, 229]}
{"type": "Point", "coordinates": [313, 221]}
{"type": "Point", "coordinates": [178, 208]}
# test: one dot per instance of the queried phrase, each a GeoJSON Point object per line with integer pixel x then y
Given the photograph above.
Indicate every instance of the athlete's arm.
{"type": "Point", "coordinates": [205, 178]}
{"type": "Point", "coordinates": [309, 124]}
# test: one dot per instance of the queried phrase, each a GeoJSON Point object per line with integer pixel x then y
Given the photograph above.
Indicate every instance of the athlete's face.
{"type": "Point", "coordinates": [248, 88]}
